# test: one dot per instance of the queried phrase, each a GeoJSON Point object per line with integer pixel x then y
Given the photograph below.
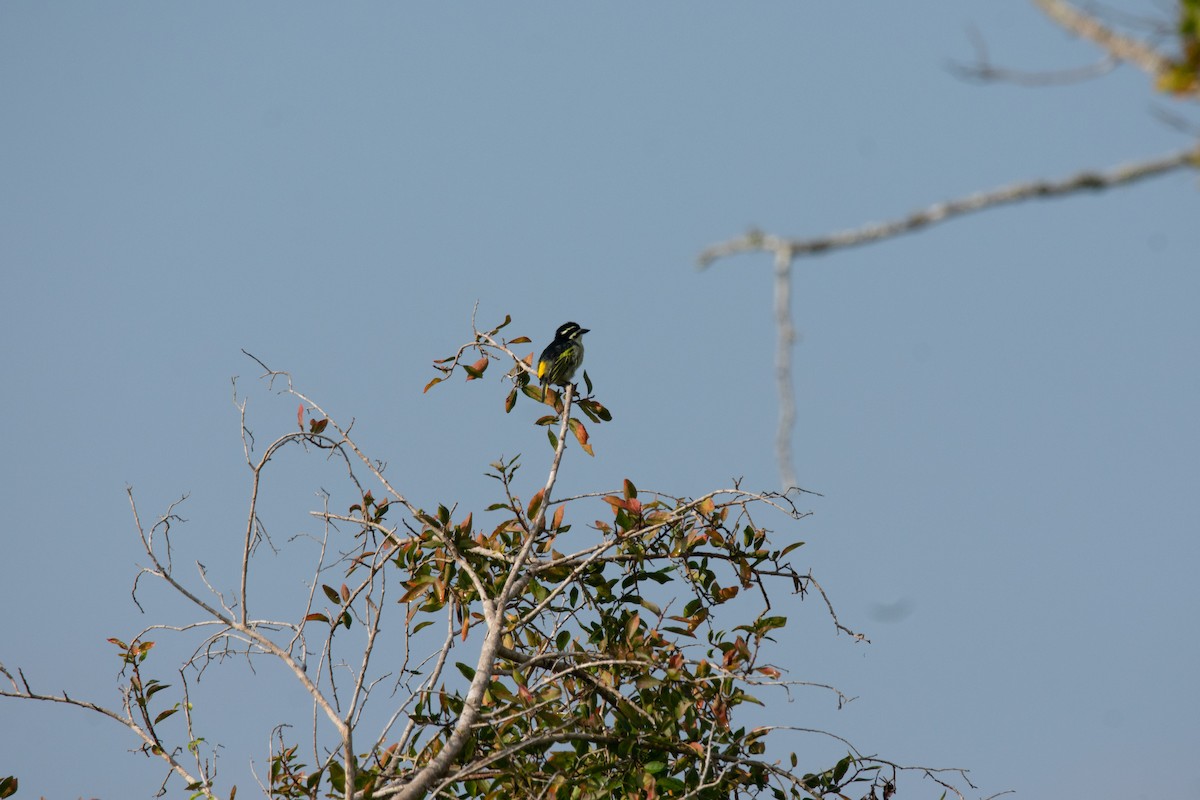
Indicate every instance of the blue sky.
{"type": "Point", "coordinates": [999, 413]}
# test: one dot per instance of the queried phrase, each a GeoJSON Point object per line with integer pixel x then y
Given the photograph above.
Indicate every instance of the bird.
{"type": "Point", "coordinates": [562, 357]}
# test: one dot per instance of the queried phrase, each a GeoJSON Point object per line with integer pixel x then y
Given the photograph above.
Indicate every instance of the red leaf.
{"type": "Point", "coordinates": [581, 434]}
{"type": "Point", "coordinates": [476, 370]}
{"type": "Point", "coordinates": [618, 503]}
{"type": "Point", "coordinates": [535, 503]}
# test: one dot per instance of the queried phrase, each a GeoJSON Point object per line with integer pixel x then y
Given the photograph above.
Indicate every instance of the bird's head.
{"type": "Point", "coordinates": [570, 330]}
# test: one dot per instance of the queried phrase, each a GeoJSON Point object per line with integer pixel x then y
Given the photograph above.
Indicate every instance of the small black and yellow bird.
{"type": "Point", "coordinates": [563, 356]}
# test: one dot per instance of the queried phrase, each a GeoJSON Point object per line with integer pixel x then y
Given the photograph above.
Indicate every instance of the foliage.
{"type": "Point", "coordinates": [575, 659]}
{"type": "Point", "coordinates": [1182, 75]}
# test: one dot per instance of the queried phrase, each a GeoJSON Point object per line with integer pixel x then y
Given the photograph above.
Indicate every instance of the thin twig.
{"type": "Point", "coordinates": [984, 71]}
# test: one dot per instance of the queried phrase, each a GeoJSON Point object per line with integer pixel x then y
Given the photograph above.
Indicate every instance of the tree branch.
{"type": "Point", "coordinates": [151, 746]}
{"type": "Point", "coordinates": [439, 766]}
{"type": "Point", "coordinates": [783, 367]}
{"type": "Point", "coordinates": [1089, 181]}
{"type": "Point", "coordinates": [786, 251]}
{"type": "Point", "coordinates": [1117, 45]}
{"type": "Point", "coordinates": [984, 71]}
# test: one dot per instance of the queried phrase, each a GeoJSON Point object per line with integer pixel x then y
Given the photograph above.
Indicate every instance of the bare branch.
{"type": "Point", "coordinates": [783, 367]}
{"type": "Point", "coordinates": [1089, 181]}
{"type": "Point", "coordinates": [858, 637]}
{"type": "Point", "coordinates": [984, 71]}
{"type": "Point", "coordinates": [787, 250]}
{"type": "Point", "coordinates": [151, 745]}
{"type": "Point", "coordinates": [1118, 45]}
{"type": "Point", "coordinates": [249, 629]}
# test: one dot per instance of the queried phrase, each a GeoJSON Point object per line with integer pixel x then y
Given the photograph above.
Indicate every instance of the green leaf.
{"type": "Point", "coordinates": [468, 672]}
{"type": "Point", "coordinates": [667, 783]}
{"type": "Point", "coordinates": [632, 625]}
{"type": "Point", "coordinates": [337, 777]}
{"type": "Point", "coordinates": [164, 715]}
{"type": "Point", "coordinates": [651, 607]}
{"type": "Point", "coordinates": [647, 682]}
{"type": "Point", "coordinates": [510, 401]}
{"type": "Point", "coordinates": [790, 548]}
{"type": "Point", "coordinates": [332, 594]}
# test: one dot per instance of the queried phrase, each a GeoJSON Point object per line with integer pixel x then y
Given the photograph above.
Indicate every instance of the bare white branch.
{"type": "Point", "coordinates": [1119, 46]}
{"type": "Point", "coordinates": [1089, 181]}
